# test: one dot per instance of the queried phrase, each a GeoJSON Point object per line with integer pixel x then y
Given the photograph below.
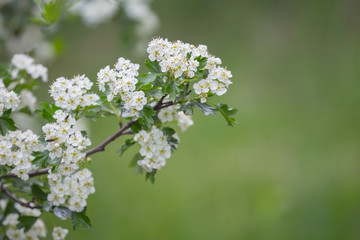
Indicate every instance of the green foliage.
{"type": "Point", "coordinates": [126, 146]}
{"type": "Point", "coordinates": [146, 115]}
{"type": "Point", "coordinates": [227, 113]}
{"type": "Point", "coordinates": [153, 66]}
{"type": "Point", "coordinates": [47, 111]}
{"type": "Point", "coordinates": [205, 108]}
{"type": "Point", "coordinates": [6, 123]}
{"type": "Point", "coordinates": [51, 12]}
{"type": "Point", "coordinates": [41, 159]}
{"type": "Point", "coordinates": [145, 79]}
{"type": "Point", "coordinates": [187, 108]}
{"type": "Point", "coordinates": [5, 75]}
{"type": "Point", "coordinates": [38, 193]}
{"type": "Point", "coordinates": [169, 134]}
{"type": "Point", "coordinates": [79, 219]}
{"type": "Point", "coordinates": [3, 170]}
{"type": "Point", "coordinates": [26, 222]}
{"type": "Point", "coordinates": [150, 176]}
{"type": "Point", "coordinates": [172, 89]}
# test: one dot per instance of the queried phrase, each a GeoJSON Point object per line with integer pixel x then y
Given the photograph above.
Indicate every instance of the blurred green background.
{"type": "Point", "coordinates": [289, 170]}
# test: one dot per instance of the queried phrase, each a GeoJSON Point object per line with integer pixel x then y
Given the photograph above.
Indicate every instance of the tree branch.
{"type": "Point", "coordinates": [102, 146]}
{"type": "Point", "coordinates": [13, 197]}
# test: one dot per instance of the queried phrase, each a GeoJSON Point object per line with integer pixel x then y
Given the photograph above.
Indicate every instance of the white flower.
{"type": "Point", "coordinates": [22, 61]}
{"type": "Point", "coordinates": [184, 121]}
{"type": "Point", "coordinates": [59, 233]}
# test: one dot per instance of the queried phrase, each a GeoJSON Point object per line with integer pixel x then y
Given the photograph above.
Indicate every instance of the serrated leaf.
{"type": "Point", "coordinates": [227, 112]}
{"type": "Point", "coordinates": [153, 66]}
{"type": "Point", "coordinates": [62, 212]}
{"type": "Point", "coordinates": [38, 193]}
{"type": "Point", "coordinates": [147, 78]}
{"type": "Point", "coordinates": [172, 89]}
{"type": "Point", "coordinates": [202, 62]}
{"type": "Point", "coordinates": [79, 219]}
{"type": "Point", "coordinates": [26, 222]}
{"type": "Point", "coordinates": [135, 159]}
{"type": "Point", "coordinates": [205, 108]}
{"type": "Point", "coordinates": [146, 115]}
{"type": "Point", "coordinates": [169, 134]}
{"type": "Point", "coordinates": [135, 127]}
{"type": "Point", "coordinates": [6, 123]}
{"type": "Point", "coordinates": [3, 170]}
{"type": "Point", "coordinates": [150, 176]}
{"type": "Point", "coordinates": [52, 11]}
{"type": "Point", "coordinates": [48, 111]}
{"type": "Point", "coordinates": [187, 108]}
{"type": "Point", "coordinates": [128, 143]}
{"type": "Point", "coordinates": [41, 159]}
{"type": "Point", "coordinates": [156, 93]}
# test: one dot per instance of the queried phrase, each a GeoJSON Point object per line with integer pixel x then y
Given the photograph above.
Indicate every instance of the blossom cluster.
{"type": "Point", "coordinates": [71, 191]}
{"type": "Point", "coordinates": [25, 62]}
{"type": "Point", "coordinates": [183, 59]}
{"type": "Point", "coordinates": [8, 99]}
{"type": "Point", "coordinates": [37, 230]}
{"type": "Point", "coordinates": [72, 93]}
{"type": "Point", "coordinates": [121, 81]}
{"type": "Point", "coordinates": [171, 113]}
{"type": "Point", "coordinates": [154, 148]}
{"type": "Point", "coordinates": [16, 148]}
{"type": "Point", "coordinates": [64, 142]}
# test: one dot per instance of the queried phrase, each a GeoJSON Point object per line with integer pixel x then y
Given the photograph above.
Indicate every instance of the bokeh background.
{"type": "Point", "coordinates": [289, 170]}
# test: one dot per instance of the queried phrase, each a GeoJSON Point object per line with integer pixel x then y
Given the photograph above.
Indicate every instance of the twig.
{"type": "Point", "coordinates": [102, 146]}
{"type": "Point", "coordinates": [24, 204]}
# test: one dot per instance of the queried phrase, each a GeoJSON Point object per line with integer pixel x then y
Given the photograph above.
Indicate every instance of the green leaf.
{"type": "Point", "coordinates": [5, 75]}
{"type": "Point", "coordinates": [38, 193]}
{"type": "Point", "coordinates": [146, 115]}
{"type": "Point", "coordinates": [169, 134]}
{"type": "Point", "coordinates": [52, 11]}
{"type": "Point", "coordinates": [48, 111]}
{"type": "Point", "coordinates": [172, 89]}
{"type": "Point", "coordinates": [205, 108]}
{"type": "Point", "coordinates": [26, 222]}
{"type": "Point", "coordinates": [153, 66]}
{"type": "Point", "coordinates": [147, 78]}
{"type": "Point", "coordinates": [227, 112]}
{"type": "Point", "coordinates": [6, 123]}
{"type": "Point", "coordinates": [80, 219]}
{"type": "Point", "coordinates": [135, 159]}
{"type": "Point", "coordinates": [126, 146]}
{"type": "Point", "coordinates": [202, 61]}
{"type": "Point", "coordinates": [136, 127]}
{"type": "Point", "coordinates": [41, 159]}
{"type": "Point", "coordinates": [3, 170]}
{"type": "Point", "coordinates": [156, 93]}
{"type": "Point", "coordinates": [151, 176]}
{"type": "Point", "coordinates": [62, 212]}
{"type": "Point", "coordinates": [187, 108]}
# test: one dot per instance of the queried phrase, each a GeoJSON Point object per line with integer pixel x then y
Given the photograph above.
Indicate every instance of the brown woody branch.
{"type": "Point", "coordinates": [13, 197]}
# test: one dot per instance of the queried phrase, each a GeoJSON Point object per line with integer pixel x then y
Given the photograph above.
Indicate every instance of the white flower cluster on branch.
{"type": "Point", "coordinates": [154, 148]}
{"type": "Point", "coordinates": [72, 93]}
{"type": "Point", "coordinates": [180, 59]}
{"type": "Point", "coordinates": [71, 191]}
{"type": "Point", "coordinates": [8, 99]}
{"type": "Point", "coordinates": [15, 151]}
{"type": "Point", "coordinates": [121, 81]}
